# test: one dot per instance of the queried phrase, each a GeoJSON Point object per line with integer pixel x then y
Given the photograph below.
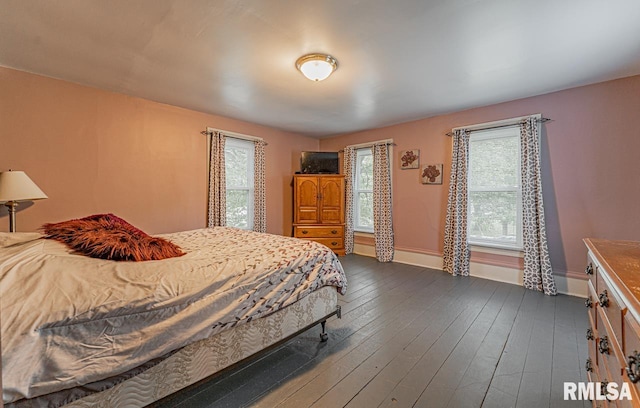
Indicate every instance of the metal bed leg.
{"type": "Point", "coordinates": [324, 336]}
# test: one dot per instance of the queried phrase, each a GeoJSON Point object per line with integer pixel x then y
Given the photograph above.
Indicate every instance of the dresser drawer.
{"type": "Point", "coordinates": [594, 377]}
{"type": "Point", "coordinates": [608, 352]}
{"type": "Point", "coordinates": [591, 269]}
{"type": "Point", "coordinates": [631, 347]}
{"type": "Point", "coordinates": [319, 231]}
{"type": "Point", "coordinates": [333, 243]}
{"type": "Point", "coordinates": [631, 339]}
{"type": "Point", "coordinates": [600, 403]}
{"type": "Point", "coordinates": [592, 336]}
{"type": "Point", "coordinates": [609, 304]}
{"type": "Point", "coordinates": [592, 303]}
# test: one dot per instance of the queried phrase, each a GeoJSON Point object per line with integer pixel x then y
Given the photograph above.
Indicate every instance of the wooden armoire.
{"type": "Point", "coordinates": [318, 209]}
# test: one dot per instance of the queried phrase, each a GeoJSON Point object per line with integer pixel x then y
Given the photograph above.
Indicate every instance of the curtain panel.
{"type": "Point", "coordinates": [217, 184]}
{"type": "Point", "coordinates": [537, 265]}
{"type": "Point", "coordinates": [259, 191]}
{"type": "Point", "coordinates": [349, 163]}
{"type": "Point", "coordinates": [382, 214]}
{"type": "Point", "coordinates": [456, 245]}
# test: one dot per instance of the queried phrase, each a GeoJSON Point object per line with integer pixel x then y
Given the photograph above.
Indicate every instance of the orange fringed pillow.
{"type": "Point", "coordinates": [107, 236]}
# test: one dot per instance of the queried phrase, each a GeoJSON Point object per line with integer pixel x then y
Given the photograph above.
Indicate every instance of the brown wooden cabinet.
{"type": "Point", "coordinates": [614, 312]}
{"type": "Point", "coordinates": [318, 209]}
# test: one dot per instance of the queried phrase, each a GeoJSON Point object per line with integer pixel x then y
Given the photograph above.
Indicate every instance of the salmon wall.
{"type": "Point", "coordinates": [591, 176]}
{"type": "Point", "coordinates": [93, 151]}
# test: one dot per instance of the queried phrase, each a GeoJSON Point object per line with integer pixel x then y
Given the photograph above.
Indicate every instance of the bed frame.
{"type": "Point", "coordinates": [324, 336]}
{"type": "Point", "coordinates": [205, 359]}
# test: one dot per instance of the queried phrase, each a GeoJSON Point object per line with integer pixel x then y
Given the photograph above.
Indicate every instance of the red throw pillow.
{"type": "Point", "coordinates": [107, 236]}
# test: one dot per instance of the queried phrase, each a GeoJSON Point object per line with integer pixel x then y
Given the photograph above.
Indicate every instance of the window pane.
{"type": "Point", "coordinates": [492, 216]}
{"type": "Point", "coordinates": [237, 208]}
{"type": "Point", "coordinates": [365, 172]}
{"type": "Point", "coordinates": [236, 163]}
{"type": "Point", "coordinates": [493, 162]}
{"type": "Point", "coordinates": [365, 210]}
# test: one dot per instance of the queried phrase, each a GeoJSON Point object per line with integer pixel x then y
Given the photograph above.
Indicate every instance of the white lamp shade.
{"type": "Point", "coordinates": [317, 67]}
{"type": "Point", "coordinates": [17, 186]}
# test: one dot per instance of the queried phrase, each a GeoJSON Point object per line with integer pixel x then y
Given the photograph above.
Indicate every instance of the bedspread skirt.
{"type": "Point", "coordinates": [201, 359]}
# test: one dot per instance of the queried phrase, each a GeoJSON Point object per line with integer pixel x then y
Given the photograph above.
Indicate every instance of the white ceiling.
{"type": "Point", "coordinates": [399, 60]}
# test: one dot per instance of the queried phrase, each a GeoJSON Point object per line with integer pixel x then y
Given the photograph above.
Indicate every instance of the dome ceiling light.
{"type": "Point", "coordinates": [317, 67]}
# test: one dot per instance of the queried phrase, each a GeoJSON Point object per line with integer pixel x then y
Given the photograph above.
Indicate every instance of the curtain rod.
{"type": "Point", "coordinates": [497, 125]}
{"type": "Point", "coordinates": [369, 144]}
{"type": "Point", "coordinates": [232, 134]}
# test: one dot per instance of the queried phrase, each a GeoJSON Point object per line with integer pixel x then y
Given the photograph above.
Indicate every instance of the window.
{"type": "Point", "coordinates": [238, 159]}
{"type": "Point", "coordinates": [363, 191]}
{"type": "Point", "coordinates": [495, 195]}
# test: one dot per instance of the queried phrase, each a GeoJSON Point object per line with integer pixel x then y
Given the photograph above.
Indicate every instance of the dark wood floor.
{"type": "Point", "coordinates": [415, 337]}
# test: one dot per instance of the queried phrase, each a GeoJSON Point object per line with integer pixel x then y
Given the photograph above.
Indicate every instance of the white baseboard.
{"type": "Point", "coordinates": [565, 284]}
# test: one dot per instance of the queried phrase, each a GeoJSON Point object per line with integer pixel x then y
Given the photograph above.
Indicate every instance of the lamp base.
{"type": "Point", "coordinates": [11, 206]}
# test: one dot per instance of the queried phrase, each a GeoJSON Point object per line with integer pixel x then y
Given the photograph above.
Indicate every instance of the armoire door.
{"type": "Point", "coordinates": [331, 200]}
{"type": "Point", "coordinates": [307, 195]}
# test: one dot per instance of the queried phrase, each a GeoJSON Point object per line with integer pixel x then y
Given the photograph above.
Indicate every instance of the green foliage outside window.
{"type": "Point", "coordinates": [237, 167]}
{"type": "Point", "coordinates": [493, 189]}
{"type": "Point", "coordinates": [364, 189]}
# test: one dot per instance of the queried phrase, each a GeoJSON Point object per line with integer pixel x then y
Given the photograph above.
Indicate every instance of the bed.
{"type": "Point", "coordinates": [79, 331]}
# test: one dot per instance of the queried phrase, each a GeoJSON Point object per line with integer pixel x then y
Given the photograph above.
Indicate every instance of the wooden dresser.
{"type": "Point", "coordinates": [318, 209]}
{"type": "Point", "coordinates": [613, 268]}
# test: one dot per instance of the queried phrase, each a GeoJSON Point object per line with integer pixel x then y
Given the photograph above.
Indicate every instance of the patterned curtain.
{"type": "Point", "coordinates": [382, 217]}
{"type": "Point", "coordinates": [456, 245]}
{"type": "Point", "coordinates": [259, 203]}
{"type": "Point", "coordinates": [537, 266]}
{"type": "Point", "coordinates": [349, 162]}
{"type": "Point", "coordinates": [217, 183]}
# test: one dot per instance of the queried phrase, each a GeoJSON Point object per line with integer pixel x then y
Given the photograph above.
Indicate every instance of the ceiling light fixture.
{"type": "Point", "coordinates": [316, 67]}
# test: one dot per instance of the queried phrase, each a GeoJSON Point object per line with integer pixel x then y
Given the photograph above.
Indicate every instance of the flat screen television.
{"type": "Point", "coordinates": [319, 163]}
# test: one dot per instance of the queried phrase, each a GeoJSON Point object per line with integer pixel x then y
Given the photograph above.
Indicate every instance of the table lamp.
{"type": "Point", "coordinates": [15, 187]}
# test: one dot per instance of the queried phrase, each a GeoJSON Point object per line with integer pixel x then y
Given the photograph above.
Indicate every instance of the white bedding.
{"type": "Point", "coordinates": [68, 319]}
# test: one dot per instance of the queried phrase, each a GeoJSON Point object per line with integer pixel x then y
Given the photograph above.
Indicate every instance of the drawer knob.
{"type": "Point", "coordinates": [603, 388]}
{"type": "Point", "coordinates": [589, 269]}
{"type": "Point", "coordinates": [633, 367]}
{"type": "Point", "coordinates": [334, 243]}
{"type": "Point", "coordinates": [589, 302]}
{"type": "Point", "coordinates": [334, 232]}
{"type": "Point", "coordinates": [590, 334]}
{"type": "Point", "coordinates": [589, 365]}
{"type": "Point", "coordinates": [603, 345]}
{"type": "Point", "coordinates": [603, 299]}
{"type": "Point", "coordinates": [305, 231]}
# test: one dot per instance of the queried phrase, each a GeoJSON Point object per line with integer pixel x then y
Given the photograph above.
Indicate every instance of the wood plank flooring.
{"type": "Point", "coordinates": [416, 337]}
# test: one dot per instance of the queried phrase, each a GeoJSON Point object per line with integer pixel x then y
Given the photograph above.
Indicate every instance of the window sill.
{"type": "Point", "coordinates": [363, 233]}
{"type": "Point", "coordinates": [496, 249]}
